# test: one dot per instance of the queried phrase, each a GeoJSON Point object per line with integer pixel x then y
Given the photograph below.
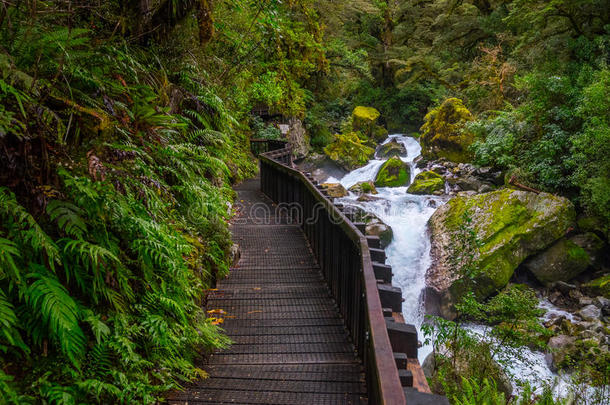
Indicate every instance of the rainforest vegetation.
{"type": "Point", "coordinates": [123, 125]}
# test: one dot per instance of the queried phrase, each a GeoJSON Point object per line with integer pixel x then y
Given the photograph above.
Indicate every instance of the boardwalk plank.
{"type": "Point", "coordinates": [290, 345]}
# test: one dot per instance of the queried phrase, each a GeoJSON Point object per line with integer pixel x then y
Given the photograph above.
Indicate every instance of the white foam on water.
{"type": "Point", "coordinates": [409, 256]}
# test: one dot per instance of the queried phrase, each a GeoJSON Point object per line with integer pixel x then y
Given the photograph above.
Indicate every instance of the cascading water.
{"type": "Point", "coordinates": [409, 252]}
{"type": "Point", "coordinates": [407, 214]}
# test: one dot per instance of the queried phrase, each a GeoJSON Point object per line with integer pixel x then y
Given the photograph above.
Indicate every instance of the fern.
{"type": "Point", "coordinates": [68, 217]}
{"type": "Point", "coordinates": [9, 251]}
{"type": "Point", "coordinates": [26, 227]}
{"type": "Point", "coordinates": [8, 325]}
{"type": "Point", "coordinates": [59, 312]}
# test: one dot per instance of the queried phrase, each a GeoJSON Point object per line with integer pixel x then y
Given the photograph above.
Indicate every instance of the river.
{"type": "Point", "coordinates": [409, 255]}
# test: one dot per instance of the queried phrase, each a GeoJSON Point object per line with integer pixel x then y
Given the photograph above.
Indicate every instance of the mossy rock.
{"type": "Point", "coordinates": [393, 173]}
{"type": "Point", "coordinates": [391, 149]}
{"type": "Point", "coordinates": [509, 226]}
{"type": "Point", "coordinates": [379, 133]}
{"type": "Point", "coordinates": [444, 133]}
{"type": "Point", "coordinates": [349, 151]}
{"type": "Point", "coordinates": [334, 190]}
{"type": "Point", "coordinates": [598, 286]}
{"type": "Point", "coordinates": [427, 183]}
{"type": "Point", "coordinates": [565, 259]}
{"type": "Point", "coordinates": [364, 120]}
{"type": "Point", "coordinates": [364, 117]}
{"type": "Point", "coordinates": [364, 187]}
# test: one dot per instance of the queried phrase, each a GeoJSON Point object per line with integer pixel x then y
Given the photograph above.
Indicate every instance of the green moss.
{"type": "Point", "coordinates": [365, 114]}
{"type": "Point", "coordinates": [444, 133]}
{"type": "Point", "coordinates": [427, 183]}
{"type": "Point", "coordinates": [393, 173]}
{"type": "Point", "coordinates": [349, 151]}
{"type": "Point", "coordinates": [510, 226]}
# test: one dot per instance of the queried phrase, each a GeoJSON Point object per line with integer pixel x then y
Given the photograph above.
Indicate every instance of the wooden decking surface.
{"type": "Point", "coordinates": [290, 345]}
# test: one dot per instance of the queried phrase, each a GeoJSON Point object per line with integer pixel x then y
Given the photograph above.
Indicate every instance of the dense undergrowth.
{"type": "Point", "coordinates": [115, 193]}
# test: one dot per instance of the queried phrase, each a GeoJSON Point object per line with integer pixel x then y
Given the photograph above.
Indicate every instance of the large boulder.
{"type": "Point", "coordinates": [364, 120]}
{"type": "Point", "coordinates": [391, 149]}
{"type": "Point", "coordinates": [334, 190]}
{"type": "Point", "coordinates": [444, 133]}
{"type": "Point", "coordinates": [348, 151]}
{"type": "Point", "coordinates": [427, 183]}
{"type": "Point", "coordinates": [566, 258]}
{"type": "Point", "coordinates": [393, 173]}
{"type": "Point", "coordinates": [493, 233]}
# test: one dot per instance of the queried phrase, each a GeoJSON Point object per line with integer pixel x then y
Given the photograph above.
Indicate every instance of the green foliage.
{"type": "Point", "coordinates": [264, 131]}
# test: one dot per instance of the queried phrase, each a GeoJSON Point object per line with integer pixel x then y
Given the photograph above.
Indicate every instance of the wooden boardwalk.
{"type": "Point", "coordinates": [290, 345]}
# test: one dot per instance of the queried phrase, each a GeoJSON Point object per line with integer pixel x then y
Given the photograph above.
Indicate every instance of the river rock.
{"type": "Point", "coordinates": [566, 258]}
{"type": "Point", "coordinates": [374, 225]}
{"type": "Point", "coordinates": [427, 183]}
{"type": "Point", "coordinates": [378, 228]}
{"type": "Point", "coordinates": [391, 149]}
{"type": "Point", "coordinates": [559, 348]}
{"type": "Point", "coordinates": [590, 313]}
{"type": "Point", "coordinates": [334, 190]}
{"type": "Point", "coordinates": [393, 173]}
{"type": "Point", "coordinates": [364, 187]}
{"type": "Point", "coordinates": [433, 361]}
{"type": "Point", "coordinates": [508, 225]}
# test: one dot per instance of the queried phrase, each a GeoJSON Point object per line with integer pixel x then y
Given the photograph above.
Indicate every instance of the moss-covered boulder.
{"type": "Point", "coordinates": [364, 117]}
{"type": "Point", "coordinates": [391, 149]}
{"type": "Point", "coordinates": [444, 134]}
{"type": "Point", "coordinates": [566, 258]}
{"type": "Point", "coordinates": [334, 190]}
{"type": "Point", "coordinates": [364, 187]}
{"type": "Point", "coordinates": [364, 120]}
{"type": "Point", "coordinates": [348, 151]}
{"type": "Point", "coordinates": [493, 233]}
{"type": "Point", "coordinates": [427, 183]}
{"type": "Point", "coordinates": [393, 173]}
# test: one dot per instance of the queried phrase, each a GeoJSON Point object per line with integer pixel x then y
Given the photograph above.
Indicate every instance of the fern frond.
{"type": "Point", "coordinates": [59, 311]}
{"type": "Point", "coordinates": [8, 268]}
{"type": "Point", "coordinates": [22, 223]}
{"type": "Point", "coordinates": [68, 217]}
{"type": "Point", "coordinates": [8, 325]}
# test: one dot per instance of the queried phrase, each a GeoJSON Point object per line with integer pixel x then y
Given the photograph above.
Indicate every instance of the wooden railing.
{"type": "Point", "coordinates": [345, 259]}
{"type": "Point", "coordinates": [258, 146]}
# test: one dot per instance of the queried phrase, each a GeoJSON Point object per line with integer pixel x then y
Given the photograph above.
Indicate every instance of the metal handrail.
{"type": "Point", "coordinates": [343, 254]}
